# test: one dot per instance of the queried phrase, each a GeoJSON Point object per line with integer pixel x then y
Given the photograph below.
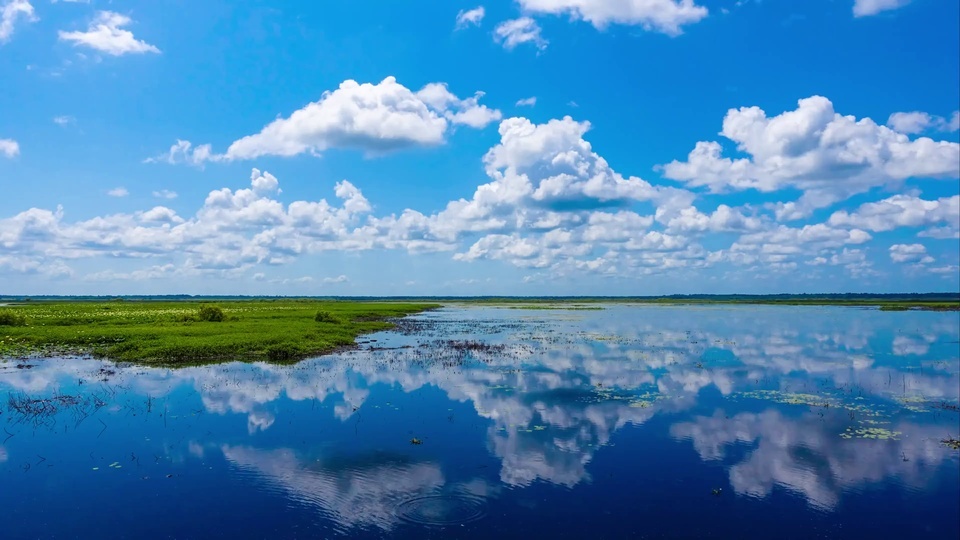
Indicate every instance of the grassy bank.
{"type": "Point", "coordinates": [180, 333]}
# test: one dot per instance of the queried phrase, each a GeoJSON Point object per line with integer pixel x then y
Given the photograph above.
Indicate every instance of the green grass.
{"type": "Point", "coordinates": [188, 333]}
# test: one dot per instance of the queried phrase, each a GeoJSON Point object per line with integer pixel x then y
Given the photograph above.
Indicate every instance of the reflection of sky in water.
{"type": "Point", "coordinates": [810, 413]}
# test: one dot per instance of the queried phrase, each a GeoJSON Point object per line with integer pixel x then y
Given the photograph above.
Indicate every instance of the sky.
{"type": "Point", "coordinates": [525, 147]}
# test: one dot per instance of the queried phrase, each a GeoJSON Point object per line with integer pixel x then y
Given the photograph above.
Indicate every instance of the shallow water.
{"type": "Point", "coordinates": [646, 422]}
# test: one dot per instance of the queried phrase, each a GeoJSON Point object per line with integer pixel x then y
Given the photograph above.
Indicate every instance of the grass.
{"type": "Point", "coordinates": [189, 333]}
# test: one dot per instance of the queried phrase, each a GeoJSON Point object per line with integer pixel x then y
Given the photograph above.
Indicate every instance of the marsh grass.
{"type": "Point", "coordinates": [325, 317]}
{"type": "Point", "coordinates": [210, 314]}
{"type": "Point", "coordinates": [12, 318]}
{"type": "Point", "coordinates": [182, 333]}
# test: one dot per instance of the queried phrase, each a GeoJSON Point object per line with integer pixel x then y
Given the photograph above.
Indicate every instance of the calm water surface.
{"type": "Point", "coordinates": [626, 422]}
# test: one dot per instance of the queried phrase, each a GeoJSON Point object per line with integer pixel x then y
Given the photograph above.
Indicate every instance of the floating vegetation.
{"type": "Point", "coordinates": [951, 442]}
{"type": "Point", "coordinates": [416, 441]}
{"type": "Point", "coordinates": [871, 433]}
{"type": "Point", "coordinates": [920, 404]}
{"type": "Point", "coordinates": [789, 398]}
{"type": "Point", "coordinates": [645, 400]}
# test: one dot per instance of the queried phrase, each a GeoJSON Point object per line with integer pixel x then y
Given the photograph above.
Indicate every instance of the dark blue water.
{"type": "Point", "coordinates": [629, 422]}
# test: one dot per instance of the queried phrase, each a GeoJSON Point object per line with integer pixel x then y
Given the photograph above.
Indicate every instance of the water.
{"type": "Point", "coordinates": [626, 422]}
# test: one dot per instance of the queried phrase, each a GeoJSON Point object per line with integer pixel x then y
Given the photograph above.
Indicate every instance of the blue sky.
{"type": "Point", "coordinates": [510, 147]}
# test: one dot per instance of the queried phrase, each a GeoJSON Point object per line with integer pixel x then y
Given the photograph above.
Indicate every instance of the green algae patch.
{"type": "Point", "coordinates": [190, 333]}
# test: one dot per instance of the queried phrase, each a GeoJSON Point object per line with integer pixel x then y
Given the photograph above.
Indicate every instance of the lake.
{"type": "Point", "coordinates": [490, 422]}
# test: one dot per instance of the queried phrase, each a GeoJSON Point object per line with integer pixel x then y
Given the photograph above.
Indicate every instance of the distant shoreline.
{"type": "Point", "coordinates": [884, 301]}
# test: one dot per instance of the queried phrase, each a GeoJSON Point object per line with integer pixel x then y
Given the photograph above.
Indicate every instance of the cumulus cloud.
{"type": "Point", "coordinates": [902, 211]}
{"type": "Point", "coordinates": [231, 232]}
{"type": "Point", "coordinates": [515, 32]}
{"type": "Point", "coordinates": [11, 13]}
{"type": "Point", "coordinates": [915, 122]}
{"type": "Point", "coordinates": [865, 8]}
{"type": "Point", "coordinates": [107, 35]}
{"type": "Point", "coordinates": [118, 192]}
{"type": "Point", "coordinates": [183, 152]}
{"type": "Point", "coordinates": [9, 148]}
{"type": "Point", "coordinates": [666, 16]}
{"type": "Point", "coordinates": [828, 156]}
{"type": "Point", "coordinates": [550, 203]}
{"type": "Point", "coordinates": [914, 253]}
{"type": "Point", "coordinates": [471, 17]}
{"type": "Point", "coordinates": [374, 118]}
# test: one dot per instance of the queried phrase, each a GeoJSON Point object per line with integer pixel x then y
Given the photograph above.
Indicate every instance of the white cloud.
{"type": "Point", "coordinates": [666, 16]}
{"type": "Point", "coordinates": [517, 31]}
{"type": "Point", "coordinates": [160, 214]}
{"type": "Point", "coordinates": [915, 122]}
{"type": "Point", "coordinates": [865, 8]}
{"type": "Point", "coordinates": [901, 211]}
{"type": "Point", "coordinates": [910, 122]}
{"type": "Point", "coordinates": [828, 156]}
{"type": "Point", "coordinates": [184, 152]}
{"type": "Point", "coordinates": [467, 111]}
{"type": "Point", "coordinates": [64, 120]}
{"type": "Point", "coordinates": [165, 194]}
{"type": "Point", "coordinates": [339, 279]}
{"type": "Point", "coordinates": [292, 281]}
{"type": "Point", "coordinates": [105, 34]}
{"type": "Point", "coordinates": [12, 11]}
{"type": "Point", "coordinates": [527, 102]}
{"type": "Point", "coordinates": [723, 219]}
{"type": "Point", "coordinates": [550, 203]}
{"type": "Point", "coordinates": [915, 253]}
{"type": "Point", "coordinates": [954, 123]}
{"type": "Point", "coordinates": [375, 118]}
{"type": "Point", "coordinates": [9, 148]}
{"type": "Point", "coordinates": [118, 192]}
{"type": "Point", "coordinates": [470, 17]}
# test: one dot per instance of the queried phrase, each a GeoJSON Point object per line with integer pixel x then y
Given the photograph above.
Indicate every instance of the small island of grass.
{"type": "Point", "coordinates": [186, 333]}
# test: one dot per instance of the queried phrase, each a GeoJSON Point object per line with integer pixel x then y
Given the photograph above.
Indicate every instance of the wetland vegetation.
{"type": "Point", "coordinates": [177, 333]}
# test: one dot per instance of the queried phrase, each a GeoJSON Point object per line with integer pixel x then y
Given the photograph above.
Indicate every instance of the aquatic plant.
{"type": "Point", "coordinates": [325, 317]}
{"type": "Point", "coordinates": [210, 314]}
{"type": "Point", "coordinates": [12, 318]}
